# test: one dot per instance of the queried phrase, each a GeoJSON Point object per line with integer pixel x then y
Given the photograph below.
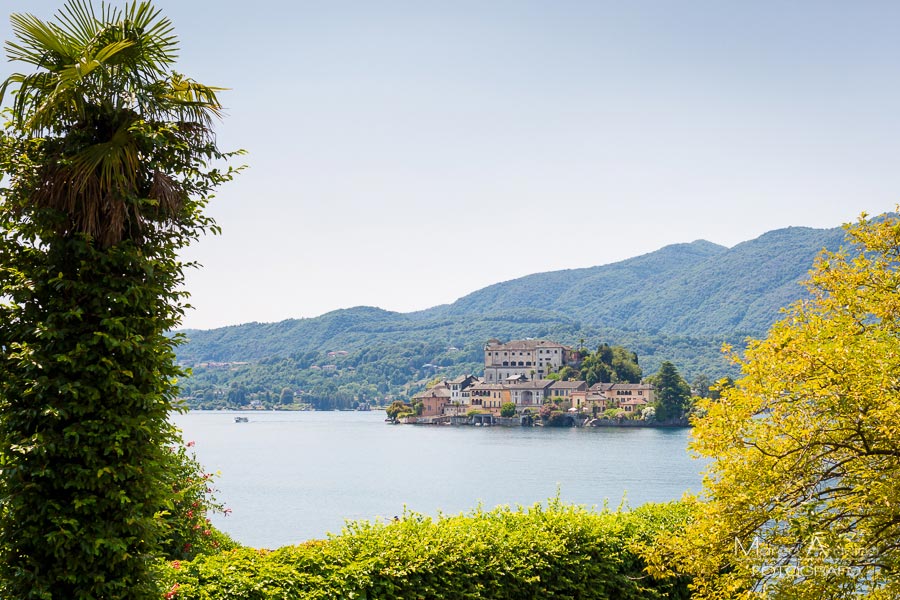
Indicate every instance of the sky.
{"type": "Point", "coordinates": [404, 154]}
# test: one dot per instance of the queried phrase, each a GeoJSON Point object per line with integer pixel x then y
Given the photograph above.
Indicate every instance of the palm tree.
{"type": "Point", "coordinates": [108, 161]}
{"type": "Point", "coordinates": [105, 104]}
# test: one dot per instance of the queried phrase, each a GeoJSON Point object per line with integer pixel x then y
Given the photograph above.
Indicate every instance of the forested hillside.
{"type": "Point", "coordinates": [679, 303]}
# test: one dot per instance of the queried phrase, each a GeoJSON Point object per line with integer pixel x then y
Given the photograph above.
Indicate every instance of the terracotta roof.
{"type": "Point", "coordinates": [605, 387]}
{"type": "Point", "coordinates": [486, 386]}
{"type": "Point", "coordinates": [433, 393]}
{"type": "Point", "coordinates": [568, 385]}
{"type": "Point", "coordinates": [438, 391]}
{"type": "Point", "coordinates": [540, 384]}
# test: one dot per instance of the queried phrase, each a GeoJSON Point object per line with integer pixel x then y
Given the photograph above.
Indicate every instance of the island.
{"type": "Point", "coordinates": [527, 382]}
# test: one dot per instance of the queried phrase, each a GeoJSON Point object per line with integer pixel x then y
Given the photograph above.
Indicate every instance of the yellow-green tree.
{"type": "Point", "coordinates": [803, 491]}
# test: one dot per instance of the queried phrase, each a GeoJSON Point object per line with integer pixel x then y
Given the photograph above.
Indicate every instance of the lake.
{"type": "Point", "coordinates": [293, 476]}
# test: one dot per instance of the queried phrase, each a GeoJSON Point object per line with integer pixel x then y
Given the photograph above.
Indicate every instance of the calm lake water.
{"type": "Point", "coordinates": [293, 476]}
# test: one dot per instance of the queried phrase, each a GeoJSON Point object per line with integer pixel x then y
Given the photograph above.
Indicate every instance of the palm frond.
{"type": "Point", "coordinates": [102, 90]}
{"type": "Point", "coordinates": [40, 44]}
{"type": "Point", "coordinates": [116, 164]}
{"type": "Point", "coordinates": [79, 21]}
{"type": "Point", "coordinates": [193, 101]}
{"type": "Point", "coordinates": [159, 42]}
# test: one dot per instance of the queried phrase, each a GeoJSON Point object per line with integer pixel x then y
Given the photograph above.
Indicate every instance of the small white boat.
{"type": "Point", "coordinates": [241, 420]}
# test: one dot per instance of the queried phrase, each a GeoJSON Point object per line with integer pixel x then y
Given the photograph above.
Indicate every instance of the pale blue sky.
{"type": "Point", "coordinates": [403, 153]}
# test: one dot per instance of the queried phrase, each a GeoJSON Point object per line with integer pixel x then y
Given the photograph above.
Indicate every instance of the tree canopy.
{"type": "Point", "coordinates": [671, 393]}
{"type": "Point", "coordinates": [803, 487]}
{"type": "Point", "coordinates": [610, 364]}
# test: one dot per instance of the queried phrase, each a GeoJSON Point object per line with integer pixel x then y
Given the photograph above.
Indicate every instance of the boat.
{"type": "Point", "coordinates": [241, 420]}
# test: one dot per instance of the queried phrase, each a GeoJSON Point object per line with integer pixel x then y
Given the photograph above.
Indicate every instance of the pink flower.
{"type": "Point", "coordinates": [190, 444]}
{"type": "Point", "coordinates": [176, 564]}
{"type": "Point", "coordinates": [172, 591]}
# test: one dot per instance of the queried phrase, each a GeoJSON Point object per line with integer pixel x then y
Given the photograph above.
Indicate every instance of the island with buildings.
{"type": "Point", "coordinates": [518, 387]}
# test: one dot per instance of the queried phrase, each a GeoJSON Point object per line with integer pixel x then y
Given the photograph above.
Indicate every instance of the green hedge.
{"type": "Point", "coordinates": [546, 551]}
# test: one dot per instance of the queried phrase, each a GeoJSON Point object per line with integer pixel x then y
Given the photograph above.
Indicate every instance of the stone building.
{"type": "Point", "coordinates": [533, 359]}
{"type": "Point", "coordinates": [617, 393]}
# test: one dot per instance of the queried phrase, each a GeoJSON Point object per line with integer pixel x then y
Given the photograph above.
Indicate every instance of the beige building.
{"type": "Point", "coordinates": [617, 393]}
{"type": "Point", "coordinates": [534, 359]}
{"type": "Point", "coordinates": [529, 394]}
{"type": "Point", "coordinates": [633, 404]}
{"type": "Point", "coordinates": [565, 389]}
{"type": "Point", "coordinates": [488, 397]}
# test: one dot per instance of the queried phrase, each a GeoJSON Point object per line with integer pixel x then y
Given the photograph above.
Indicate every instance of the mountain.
{"type": "Point", "coordinates": [678, 303]}
{"type": "Point", "coordinates": [698, 289]}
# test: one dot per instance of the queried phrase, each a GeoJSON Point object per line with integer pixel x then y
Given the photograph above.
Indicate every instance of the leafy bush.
{"type": "Point", "coordinates": [556, 550]}
{"type": "Point", "coordinates": [613, 413]}
{"type": "Point", "coordinates": [558, 418]}
{"type": "Point", "coordinates": [188, 531]}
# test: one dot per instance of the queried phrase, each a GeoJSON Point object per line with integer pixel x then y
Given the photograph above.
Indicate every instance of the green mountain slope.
{"type": "Point", "coordinates": [678, 303]}
{"type": "Point", "coordinates": [698, 288]}
{"type": "Point", "coordinates": [589, 293]}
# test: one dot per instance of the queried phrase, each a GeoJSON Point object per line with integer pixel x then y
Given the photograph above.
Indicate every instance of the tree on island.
{"type": "Point", "coordinates": [700, 386]}
{"type": "Point", "coordinates": [508, 410]}
{"type": "Point", "coordinates": [397, 408]}
{"type": "Point", "coordinates": [109, 159]}
{"type": "Point", "coordinates": [610, 364]}
{"type": "Point", "coordinates": [803, 487]}
{"type": "Point", "coordinates": [672, 393]}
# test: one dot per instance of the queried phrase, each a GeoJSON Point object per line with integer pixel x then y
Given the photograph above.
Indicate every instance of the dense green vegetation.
{"type": "Point", "coordinates": [609, 364]}
{"type": "Point", "coordinates": [680, 304]}
{"type": "Point", "coordinates": [105, 161]}
{"type": "Point", "coordinates": [552, 551]}
{"type": "Point", "coordinates": [672, 393]}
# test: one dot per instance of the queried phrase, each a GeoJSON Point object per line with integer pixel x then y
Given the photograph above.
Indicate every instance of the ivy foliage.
{"type": "Point", "coordinates": [545, 551]}
{"type": "Point", "coordinates": [108, 162]}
